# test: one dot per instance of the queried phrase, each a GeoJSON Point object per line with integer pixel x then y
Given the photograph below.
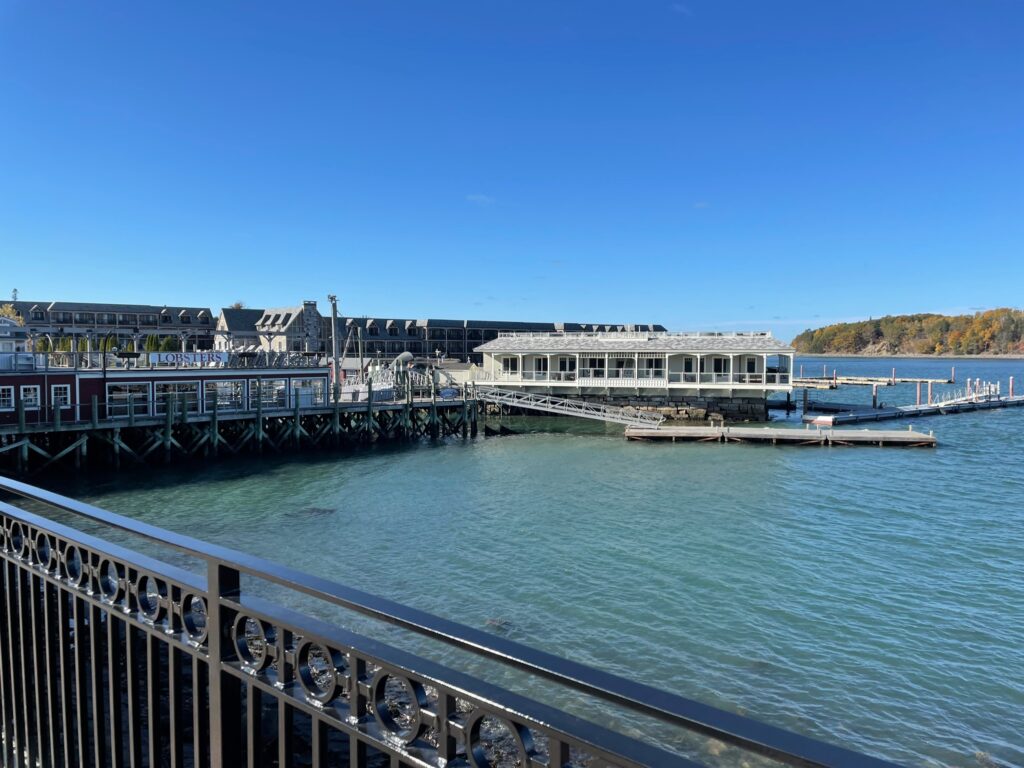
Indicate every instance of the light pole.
{"type": "Point", "coordinates": [336, 390]}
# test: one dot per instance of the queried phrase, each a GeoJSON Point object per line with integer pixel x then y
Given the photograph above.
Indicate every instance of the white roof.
{"type": "Point", "coordinates": [526, 343]}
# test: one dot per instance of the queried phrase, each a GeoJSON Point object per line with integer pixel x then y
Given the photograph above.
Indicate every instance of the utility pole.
{"type": "Point", "coordinates": [334, 346]}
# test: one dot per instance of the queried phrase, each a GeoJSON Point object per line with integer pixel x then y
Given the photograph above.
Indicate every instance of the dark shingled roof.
{"type": "Point", "coordinates": [240, 319]}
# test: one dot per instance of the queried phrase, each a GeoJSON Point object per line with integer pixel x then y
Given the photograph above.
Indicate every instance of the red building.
{"type": "Point", "coordinates": [79, 387]}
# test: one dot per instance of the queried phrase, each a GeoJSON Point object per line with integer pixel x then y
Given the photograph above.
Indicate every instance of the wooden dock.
{"type": "Point", "coordinates": [865, 413]}
{"type": "Point", "coordinates": [782, 436]}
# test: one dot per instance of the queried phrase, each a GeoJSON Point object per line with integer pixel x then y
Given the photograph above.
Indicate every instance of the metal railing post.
{"type": "Point", "coordinates": [225, 688]}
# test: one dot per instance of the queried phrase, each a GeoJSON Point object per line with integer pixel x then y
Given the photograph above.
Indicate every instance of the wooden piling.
{"type": "Point", "coordinates": [213, 433]}
{"type": "Point", "coordinates": [169, 404]}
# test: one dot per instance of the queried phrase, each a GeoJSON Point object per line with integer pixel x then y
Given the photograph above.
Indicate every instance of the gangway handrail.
{"type": "Point", "coordinates": [569, 406]}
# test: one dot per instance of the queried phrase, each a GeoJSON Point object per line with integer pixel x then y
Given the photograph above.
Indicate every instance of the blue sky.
{"type": "Point", "coordinates": [701, 164]}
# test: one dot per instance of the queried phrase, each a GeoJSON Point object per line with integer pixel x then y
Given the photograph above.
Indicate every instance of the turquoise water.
{"type": "Point", "coordinates": [871, 597]}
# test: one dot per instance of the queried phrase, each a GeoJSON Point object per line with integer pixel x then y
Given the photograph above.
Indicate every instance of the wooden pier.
{"type": "Point", "coordinates": [783, 436]}
{"type": "Point", "coordinates": [181, 434]}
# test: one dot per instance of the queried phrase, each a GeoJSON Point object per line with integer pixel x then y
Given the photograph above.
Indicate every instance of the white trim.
{"type": "Point", "coordinates": [21, 396]}
{"type": "Point", "coordinates": [11, 388]}
{"type": "Point", "coordinates": [53, 395]}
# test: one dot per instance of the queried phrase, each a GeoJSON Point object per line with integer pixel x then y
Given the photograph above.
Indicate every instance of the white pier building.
{"type": "Point", "coordinates": [661, 367]}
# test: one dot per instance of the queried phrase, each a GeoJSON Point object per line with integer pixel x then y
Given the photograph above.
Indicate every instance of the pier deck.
{"type": "Point", "coordinates": [784, 436]}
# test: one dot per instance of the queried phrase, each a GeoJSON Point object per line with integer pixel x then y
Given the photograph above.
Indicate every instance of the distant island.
{"type": "Point", "coordinates": [993, 332]}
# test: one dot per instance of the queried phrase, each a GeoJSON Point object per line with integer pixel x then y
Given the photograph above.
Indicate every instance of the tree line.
{"type": "Point", "coordinates": [995, 331]}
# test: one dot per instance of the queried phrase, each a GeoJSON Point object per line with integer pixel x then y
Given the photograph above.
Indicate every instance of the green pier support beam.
{"type": "Point", "coordinates": [435, 425]}
{"type": "Point", "coordinates": [168, 427]}
{"type": "Point", "coordinates": [368, 424]}
{"type": "Point", "coordinates": [23, 436]}
{"type": "Point", "coordinates": [214, 428]}
{"type": "Point", "coordinates": [259, 416]}
{"type": "Point", "coordinates": [94, 417]}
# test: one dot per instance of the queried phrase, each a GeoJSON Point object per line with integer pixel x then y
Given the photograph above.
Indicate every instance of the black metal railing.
{"type": "Point", "coordinates": [113, 658]}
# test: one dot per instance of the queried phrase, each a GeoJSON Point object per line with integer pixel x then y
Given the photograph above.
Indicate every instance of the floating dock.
{"type": "Point", "coordinates": [782, 436]}
{"type": "Point", "coordinates": [835, 380]}
{"type": "Point", "coordinates": [860, 414]}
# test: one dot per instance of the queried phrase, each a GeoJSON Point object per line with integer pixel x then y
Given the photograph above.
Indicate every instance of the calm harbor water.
{"type": "Point", "coordinates": [870, 597]}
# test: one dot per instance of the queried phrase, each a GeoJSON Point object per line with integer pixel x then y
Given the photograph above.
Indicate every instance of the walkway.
{"type": "Point", "coordinates": [568, 406]}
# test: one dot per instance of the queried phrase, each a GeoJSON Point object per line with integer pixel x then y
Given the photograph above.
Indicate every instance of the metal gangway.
{"type": "Point", "coordinates": [568, 406]}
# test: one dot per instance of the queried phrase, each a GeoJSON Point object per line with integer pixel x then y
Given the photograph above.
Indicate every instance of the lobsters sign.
{"type": "Point", "coordinates": [187, 358]}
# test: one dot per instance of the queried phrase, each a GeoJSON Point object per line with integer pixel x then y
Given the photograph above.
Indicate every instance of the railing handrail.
{"type": "Point", "coordinates": [628, 334]}
{"type": "Point", "coordinates": [780, 744]}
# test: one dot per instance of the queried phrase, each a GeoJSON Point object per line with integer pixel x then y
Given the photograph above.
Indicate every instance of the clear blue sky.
{"type": "Point", "coordinates": [702, 163]}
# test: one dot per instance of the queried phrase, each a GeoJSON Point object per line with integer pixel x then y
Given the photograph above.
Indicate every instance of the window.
{"type": "Point", "coordinates": [474, 334]}
{"type": "Point", "coordinates": [30, 396]}
{"type": "Point", "coordinates": [204, 319]}
{"type": "Point", "coordinates": [412, 331]}
{"type": "Point", "coordinates": [229, 395]}
{"type": "Point", "coordinates": [106, 318]}
{"type": "Point", "coordinates": [185, 319]}
{"type": "Point", "coordinates": [751, 365]}
{"type": "Point", "coordinates": [177, 392]}
{"type": "Point", "coordinates": [540, 364]}
{"type": "Point", "coordinates": [437, 334]}
{"type": "Point", "coordinates": [6, 398]}
{"type": "Point", "coordinates": [392, 331]}
{"type": "Point", "coordinates": [373, 330]}
{"type": "Point", "coordinates": [510, 365]}
{"type": "Point", "coordinates": [61, 317]}
{"type": "Point", "coordinates": [85, 317]}
{"type": "Point", "coordinates": [38, 315]}
{"type": "Point", "coordinates": [566, 364]}
{"type": "Point", "coordinates": [165, 318]}
{"type": "Point", "coordinates": [125, 319]}
{"type": "Point", "coordinates": [721, 365]}
{"type": "Point", "coordinates": [60, 395]}
{"type": "Point", "coordinates": [147, 319]}
{"type": "Point", "coordinates": [273, 393]}
{"type": "Point", "coordinates": [308, 392]}
{"type": "Point", "coordinates": [122, 396]}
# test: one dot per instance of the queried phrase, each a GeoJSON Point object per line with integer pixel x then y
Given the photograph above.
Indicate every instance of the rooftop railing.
{"type": "Point", "coordinates": [112, 361]}
{"type": "Point", "coordinates": [115, 657]}
{"type": "Point", "coordinates": [628, 335]}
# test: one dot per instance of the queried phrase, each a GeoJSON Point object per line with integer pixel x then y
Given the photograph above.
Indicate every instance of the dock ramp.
{"type": "Point", "coordinates": [569, 406]}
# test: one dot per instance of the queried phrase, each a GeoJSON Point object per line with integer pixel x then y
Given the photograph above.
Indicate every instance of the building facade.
{"type": "Point", "coordinates": [13, 336]}
{"type": "Point", "coordinates": [91, 325]}
{"type": "Point", "coordinates": [302, 328]}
